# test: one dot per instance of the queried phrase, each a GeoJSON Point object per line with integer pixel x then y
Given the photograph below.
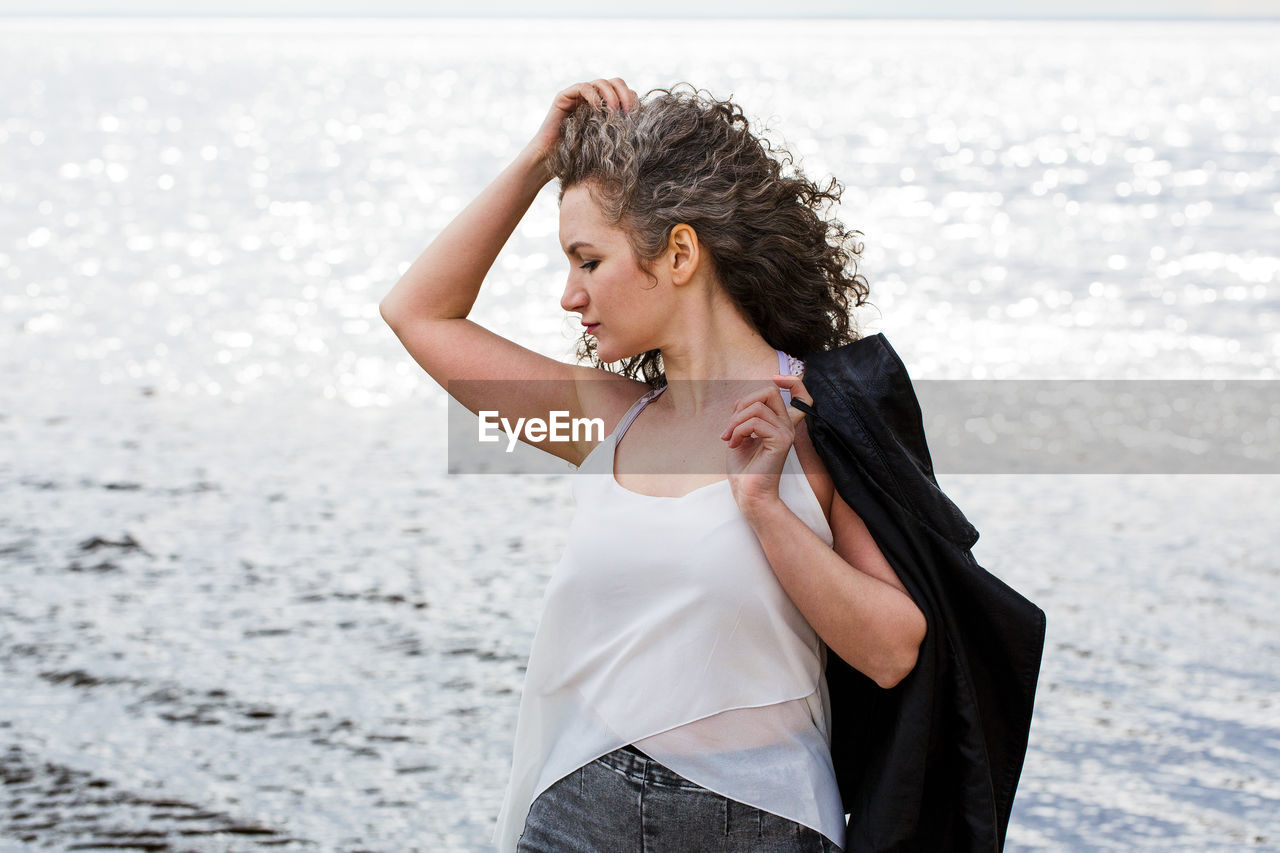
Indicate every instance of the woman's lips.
{"type": "Point", "coordinates": [592, 327]}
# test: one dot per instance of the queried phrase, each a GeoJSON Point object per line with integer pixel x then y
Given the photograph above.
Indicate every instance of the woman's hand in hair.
{"type": "Point", "coordinates": [759, 435]}
{"type": "Point", "coordinates": [612, 93]}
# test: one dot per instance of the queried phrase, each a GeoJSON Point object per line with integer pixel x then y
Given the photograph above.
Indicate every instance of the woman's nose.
{"type": "Point", "coordinates": [574, 297]}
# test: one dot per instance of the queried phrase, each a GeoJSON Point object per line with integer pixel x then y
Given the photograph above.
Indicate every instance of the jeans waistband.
{"type": "Point", "coordinates": [637, 765]}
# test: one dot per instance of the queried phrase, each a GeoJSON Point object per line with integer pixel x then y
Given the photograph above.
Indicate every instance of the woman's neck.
{"type": "Point", "coordinates": [709, 363]}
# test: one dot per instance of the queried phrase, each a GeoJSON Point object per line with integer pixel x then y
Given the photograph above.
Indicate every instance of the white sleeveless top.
{"type": "Point", "coordinates": [664, 626]}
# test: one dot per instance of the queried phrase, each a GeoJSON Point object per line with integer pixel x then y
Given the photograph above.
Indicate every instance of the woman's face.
{"type": "Point", "coordinates": [606, 286]}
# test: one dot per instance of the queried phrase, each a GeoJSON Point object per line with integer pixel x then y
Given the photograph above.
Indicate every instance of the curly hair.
{"type": "Point", "coordinates": [684, 156]}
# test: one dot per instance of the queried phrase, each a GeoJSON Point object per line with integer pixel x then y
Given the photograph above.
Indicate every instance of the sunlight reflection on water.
{"type": "Point", "coordinates": [316, 629]}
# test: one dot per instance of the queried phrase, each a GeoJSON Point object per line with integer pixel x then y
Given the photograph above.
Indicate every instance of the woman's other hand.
{"type": "Point", "coordinates": [613, 93]}
{"type": "Point", "coordinates": [761, 431]}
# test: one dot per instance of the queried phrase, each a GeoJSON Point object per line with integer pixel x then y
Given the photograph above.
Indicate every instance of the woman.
{"type": "Point", "coordinates": [675, 697]}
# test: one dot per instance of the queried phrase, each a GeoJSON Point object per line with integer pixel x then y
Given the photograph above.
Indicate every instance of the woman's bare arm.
{"type": "Point", "coordinates": [428, 307]}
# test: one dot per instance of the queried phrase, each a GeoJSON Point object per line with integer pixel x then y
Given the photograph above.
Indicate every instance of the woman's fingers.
{"type": "Point", "coordinates": [587, 92]}
{"type": "Point", "coordinates": [768, 395]}
{"type": "Point", "coordinates": [607, 93]}
{"type": "Point", "coordinates": [569, 98]}
{"type": "Point", "coordinates": [758, 408]}
{"type": "Point", "coordinates": [767, 404]}
{"type": "Point", "coordinates": [754, 426]}
{"type": "Point", "coordinates": [756, 411]}
{"type": "Point", "coordinates": [627, 99]}
{"type": "Point", "coordinates": [798, 392]}
{"type": "Point", "coordinates": [600, 93]}
{"type": "Point", "coordinates": [596, 93]}
{"type": "Point", "coordinates": [612, 93]}
{"type": "Point", "coordinates": [615, 93]}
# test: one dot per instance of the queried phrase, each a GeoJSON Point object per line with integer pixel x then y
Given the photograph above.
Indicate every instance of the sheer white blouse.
{"type": "Point", "coordinates": [664, 626]}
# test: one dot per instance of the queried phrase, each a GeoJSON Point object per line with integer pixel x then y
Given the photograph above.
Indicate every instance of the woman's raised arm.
{"type": "Point", "coordinates": [428, 307]}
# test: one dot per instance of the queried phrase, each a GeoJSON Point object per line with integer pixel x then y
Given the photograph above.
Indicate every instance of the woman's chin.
{"type": "Point", "coordinates": [605, 353]}
{"type": "Point", "coordinates": [608, 355]}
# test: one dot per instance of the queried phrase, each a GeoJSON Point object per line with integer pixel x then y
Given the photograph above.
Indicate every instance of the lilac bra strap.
{"type": "Point", "coordinates": [789, 366]}
{"type": "Point", "coordinates": [784, 369]}
{"type": "Point", "coordinates": [630, 416]}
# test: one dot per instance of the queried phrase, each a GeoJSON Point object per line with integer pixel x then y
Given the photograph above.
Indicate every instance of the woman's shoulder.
{"type": "Point", "coordinates": [607, 395]}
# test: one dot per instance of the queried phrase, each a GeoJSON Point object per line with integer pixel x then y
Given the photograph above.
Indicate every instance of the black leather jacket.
{"type": "Point", "coordinates": [932, 763]}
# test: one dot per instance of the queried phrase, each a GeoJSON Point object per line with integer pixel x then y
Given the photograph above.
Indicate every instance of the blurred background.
{"type": "Point", "coordinates": [242, 606]}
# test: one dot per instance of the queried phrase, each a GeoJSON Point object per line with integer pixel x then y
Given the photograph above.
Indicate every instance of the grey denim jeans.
{"type": "Point", "coordinates": [627, 802]}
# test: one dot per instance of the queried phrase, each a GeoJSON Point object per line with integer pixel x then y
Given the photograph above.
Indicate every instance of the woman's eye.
{"type": "Point", "coordinates": [589, 266]}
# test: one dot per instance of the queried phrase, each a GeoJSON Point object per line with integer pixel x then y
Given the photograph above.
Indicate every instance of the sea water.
{"type": "Point", "coordinates": [243, 605]}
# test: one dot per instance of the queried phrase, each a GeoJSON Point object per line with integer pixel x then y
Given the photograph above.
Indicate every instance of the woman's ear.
{"type": "Point", "coordinates": [684, 253]}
